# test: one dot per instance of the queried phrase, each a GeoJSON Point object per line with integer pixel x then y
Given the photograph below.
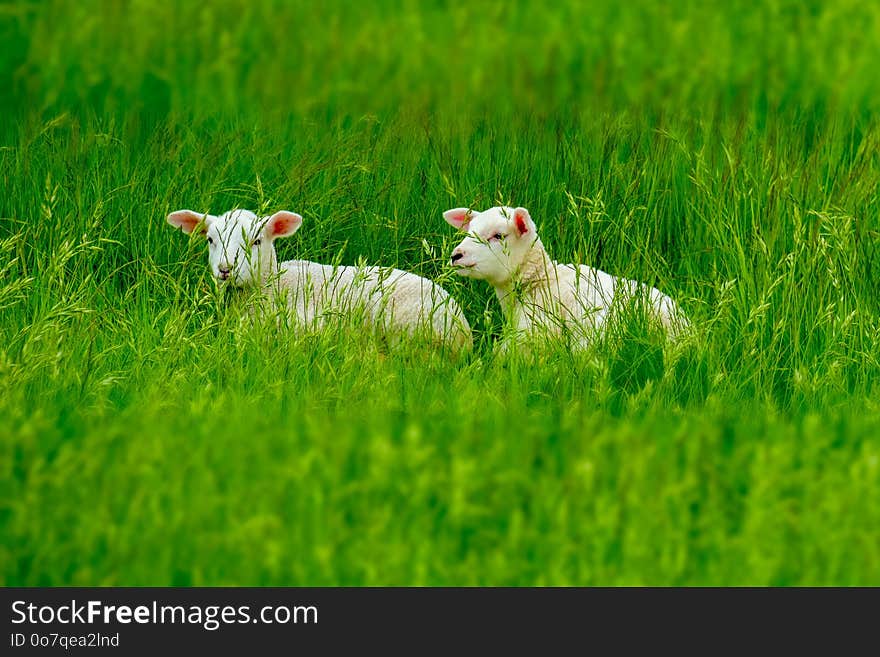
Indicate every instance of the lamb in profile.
{"type": "Point", "coordinates": [539, 295]}
{"type": "Point", "coordinates": [241, 251]}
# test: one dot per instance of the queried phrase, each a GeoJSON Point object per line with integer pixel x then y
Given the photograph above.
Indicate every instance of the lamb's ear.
{"type": "Point", "coordinates": [459, 217]}
{"type": "Point", "coordinates": [282, 224]}
{"type": "Point", "coordinates": [523, 221]}
{"type": "Point", "coordinates": [187, 220]}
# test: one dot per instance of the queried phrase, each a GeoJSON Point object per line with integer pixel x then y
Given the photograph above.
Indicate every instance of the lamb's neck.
{"type": "Point", "coordinates": [533, 273]}
{"type": "Point", "coordinates": [269, 275]}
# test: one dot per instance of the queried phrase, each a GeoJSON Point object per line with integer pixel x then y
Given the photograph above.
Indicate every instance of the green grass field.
{"type": "Point", "coordinates": [728, 155]}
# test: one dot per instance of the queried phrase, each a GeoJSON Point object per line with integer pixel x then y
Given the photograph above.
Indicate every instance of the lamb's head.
{"type": "Point", "coordinates": [498, 242]}
{"type": "Point", "coordinates": [241, 246]}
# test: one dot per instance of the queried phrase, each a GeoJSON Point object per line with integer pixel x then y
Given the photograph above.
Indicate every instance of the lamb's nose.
{"type": "Point", "coordinates": [456, 256]}
{"type": "Point", "coordinates": [224, 272]}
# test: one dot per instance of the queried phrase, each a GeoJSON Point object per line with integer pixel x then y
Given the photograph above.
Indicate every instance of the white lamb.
{"type": "Point", "coordinates": [241, 251]}
{"type": "Point", "coordinates": [538, 295]}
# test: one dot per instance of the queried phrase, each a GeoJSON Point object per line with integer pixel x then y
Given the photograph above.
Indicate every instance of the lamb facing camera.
{"type": "Point", "coordinates": [539, 296]}
{"type": "Point", "coordinates": [241, 253]}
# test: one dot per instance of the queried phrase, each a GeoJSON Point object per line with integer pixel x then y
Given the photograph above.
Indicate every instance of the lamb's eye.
{"type": "Point", "coordinates": [257, 242]}
{"type": "Point", "coordinates": [211, 241]}
{"type": "Point", "coordinates": [497, 236]}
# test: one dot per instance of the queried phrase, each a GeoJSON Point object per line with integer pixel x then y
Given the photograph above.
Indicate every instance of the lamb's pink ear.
{"type": "Point", "coordinates": [523, 221]}
{"type": "Point", "coordinates": [282, 224]}
{"type": "Point", "coordinates": [187, 220]}
{"type": "Point", "coordinates": [459, 217]}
